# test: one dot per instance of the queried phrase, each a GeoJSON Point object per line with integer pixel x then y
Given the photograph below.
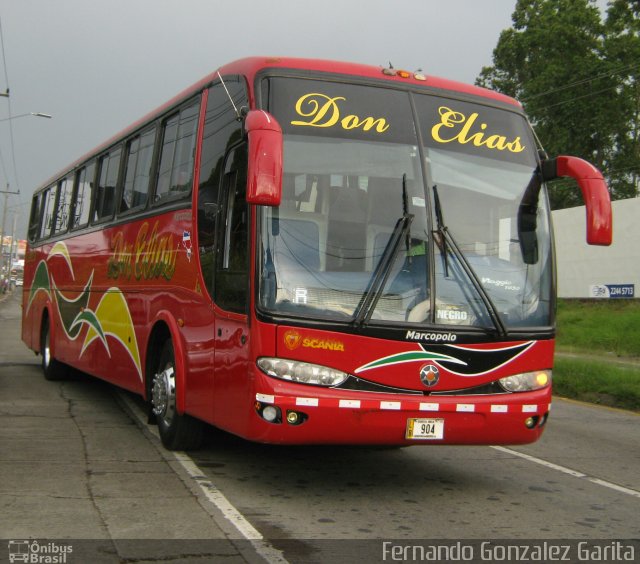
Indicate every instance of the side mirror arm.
{"type": "Point", "coordinates": [594, 193]}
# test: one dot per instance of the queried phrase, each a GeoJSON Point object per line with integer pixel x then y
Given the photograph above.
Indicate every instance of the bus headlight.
{"type": "Point", "coordinates": [527, 381]}
{"type": "Point", "coordinates": [301, 372]}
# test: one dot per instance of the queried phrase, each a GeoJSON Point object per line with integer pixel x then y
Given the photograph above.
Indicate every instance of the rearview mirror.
{"type": "Point", "coordinates": [594, 193]}
{"type": "Point", "coordinates": [264, 169]}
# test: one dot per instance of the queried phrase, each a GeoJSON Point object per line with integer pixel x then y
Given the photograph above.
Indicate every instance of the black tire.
{"type": "Point", "coordinates": [51, 368]}
{"type": "Point", "coordinates": [178, 432]}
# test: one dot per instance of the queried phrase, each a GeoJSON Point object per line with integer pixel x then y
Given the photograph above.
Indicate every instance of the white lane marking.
{"type": "Point", "coordinates": [569, 471]}
{"type": "Point", "coordinates": [213, 494]}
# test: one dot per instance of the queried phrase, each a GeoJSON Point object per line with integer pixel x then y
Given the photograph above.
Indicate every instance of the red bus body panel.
{"type": "Point", "coordinates": [106, 290]}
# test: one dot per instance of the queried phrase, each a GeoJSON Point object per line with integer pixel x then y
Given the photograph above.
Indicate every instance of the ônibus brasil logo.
{"type": "Point", "coordinates": [38, 552]}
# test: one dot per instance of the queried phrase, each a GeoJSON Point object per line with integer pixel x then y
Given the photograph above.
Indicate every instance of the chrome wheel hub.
{"type": "Point", "coordinates": [46, 353]}
{"type": "Point", "coordinates": [163, 394]}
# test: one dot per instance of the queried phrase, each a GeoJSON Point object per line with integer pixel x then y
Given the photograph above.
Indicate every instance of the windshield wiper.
{"type": "Point", "coordinates": [377, 282]}
{"type": "Point", "coordinates": [447, 240]}
{"type": "Point", "coordinates": [441, 229]}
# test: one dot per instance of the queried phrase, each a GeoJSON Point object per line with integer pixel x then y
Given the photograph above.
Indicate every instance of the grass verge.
{"type": "Point", "coordinates": [595, 330]}
{"type": "Point", "coordinates": [593, 326]}
{"type": "Point", "coordinates": [597, 382]}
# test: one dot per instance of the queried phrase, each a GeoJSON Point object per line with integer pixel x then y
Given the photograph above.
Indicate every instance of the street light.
{"type": "Point", "coordinates": [37, 114]}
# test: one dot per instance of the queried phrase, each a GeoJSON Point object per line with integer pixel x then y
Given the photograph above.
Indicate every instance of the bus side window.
{"type": "Point", "coordinates": [83, 196]}
{"type": "Point", "coordinates": [35, 217]}
{"type": "Point", "coordinates": [232, 272]}
{"type": "Point", "coordinates": [175, 172]}
{"type": "Point", "coordinates": [48, 215]}
{"type": "Point", "coordinates": [107, 185]}
{"type": "Point", "coordinates": [137, 171]}
{"type": "Point", "coordinates": [63, 208]}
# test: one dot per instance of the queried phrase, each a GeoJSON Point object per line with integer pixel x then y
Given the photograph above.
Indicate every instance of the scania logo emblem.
{"type": "Point", "coordinates": [429, 375]}
{"type": "Point", "coordinates": [292, 339]}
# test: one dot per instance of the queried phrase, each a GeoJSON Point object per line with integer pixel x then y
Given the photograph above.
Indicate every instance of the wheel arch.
{"type": "Point", "coordinates": [166, 327]}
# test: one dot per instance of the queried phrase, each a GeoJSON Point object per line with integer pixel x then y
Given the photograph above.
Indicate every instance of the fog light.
{"type": "Point", "coordinates": [530, 422]}
{"type": "Point", "coordinates": [270, 413]}
{"type": "Point", "coordinates": [292, 417]}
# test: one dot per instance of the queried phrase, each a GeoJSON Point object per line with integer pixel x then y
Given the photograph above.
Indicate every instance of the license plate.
{"type": "Point", "coordinates": [425, 429]}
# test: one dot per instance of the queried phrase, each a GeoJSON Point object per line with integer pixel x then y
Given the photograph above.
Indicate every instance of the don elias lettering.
{"type": "Point", "coordinates": [153, 255]}
{"type": "Point", "coordinates": [456, 127]}
{"type": "Point", "coordinates": [320, 110]}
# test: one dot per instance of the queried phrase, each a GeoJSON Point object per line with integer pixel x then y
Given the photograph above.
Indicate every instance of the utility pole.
{"type": "Point", "coordinates": [4, 217]}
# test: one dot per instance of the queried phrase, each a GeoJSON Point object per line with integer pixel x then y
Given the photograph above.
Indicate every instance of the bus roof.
{"type": "Point", "coordinates": [251, 66]}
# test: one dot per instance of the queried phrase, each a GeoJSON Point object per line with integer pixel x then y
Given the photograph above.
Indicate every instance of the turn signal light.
{"type": "Point", "coordinates": [542, 378]}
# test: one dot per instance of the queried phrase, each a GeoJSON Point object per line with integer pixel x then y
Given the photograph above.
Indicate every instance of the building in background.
{"type": "Point", "coordinates": [598, 272]}
{"type": "Point", "coordinates": [11, 262]}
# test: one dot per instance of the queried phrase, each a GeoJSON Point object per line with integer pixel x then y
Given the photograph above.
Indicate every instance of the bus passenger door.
{"type": "Point", "coordinates": [231, 296]}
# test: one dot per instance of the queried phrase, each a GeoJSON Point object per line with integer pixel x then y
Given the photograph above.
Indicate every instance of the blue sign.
{"type": "Point", "coordinates": [613, 291]}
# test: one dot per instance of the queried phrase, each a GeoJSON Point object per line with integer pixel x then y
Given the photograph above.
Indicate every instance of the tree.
{"type": "Point", "coordinates": [622, 51]}
{"type": "Point", "coordinates": [561, 61]}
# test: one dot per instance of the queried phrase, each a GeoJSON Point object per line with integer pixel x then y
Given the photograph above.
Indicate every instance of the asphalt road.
{"type": "Point", "coordinates": [88, 467]}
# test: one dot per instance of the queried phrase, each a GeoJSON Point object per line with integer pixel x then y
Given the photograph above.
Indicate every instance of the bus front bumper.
{"type": "Point", "coordinates": [355, 418]}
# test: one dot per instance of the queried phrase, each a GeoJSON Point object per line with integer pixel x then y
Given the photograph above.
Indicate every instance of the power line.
{"type": "Point", "coordinates": [615, 70]}
{"type": "Point", "coordinates": [588, 95]}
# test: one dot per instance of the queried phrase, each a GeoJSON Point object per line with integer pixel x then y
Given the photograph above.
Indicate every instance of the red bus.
{"type": "Point", "coordinates": [304, 251]}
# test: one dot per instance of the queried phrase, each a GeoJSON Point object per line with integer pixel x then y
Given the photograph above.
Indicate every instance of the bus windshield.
{"type": "Point", "coordinates": [403, 208]}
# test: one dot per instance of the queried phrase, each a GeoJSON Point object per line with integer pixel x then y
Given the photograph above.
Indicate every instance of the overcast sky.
{"type": "Point", "coordinates": [97, 66]}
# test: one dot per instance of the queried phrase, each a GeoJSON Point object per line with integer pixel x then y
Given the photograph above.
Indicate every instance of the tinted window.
{"type": "Point", "coordinates": [48, 216]}
{"type": "Point", "coordinates": [34, 218]}
{"type": "Point", "coordinates": [175, 173]}
{"type": "Point", "coordinates": [170, 132]}
{"type": "Point", "coordinates": [107, 184]}
{"type": "Point", "coordinates": [63, 208]}
{"type": "Point", "coordinates": [138, 170]}
{"type": "Point", "coordinates": [338, 110]}
{"type": "Point", "coordinates": [83, 196]}
{"type": "Point", "coordinates": [221, 131]}
{"type": "Point", "coordinates": [232, 273]}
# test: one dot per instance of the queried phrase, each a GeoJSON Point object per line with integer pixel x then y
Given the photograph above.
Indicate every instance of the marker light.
{"type": "Point", "coordinates": [301, 372]}
{"type": "Point", "coordinates": [526, 382]}
{"type": "Point", "coordinates": [403, 74]}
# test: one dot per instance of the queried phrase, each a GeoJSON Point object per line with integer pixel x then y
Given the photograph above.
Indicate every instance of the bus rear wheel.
{"type": "Point", "coordinates": [178, 432]}
{"type": "Point", "coordinates": [52, 369]}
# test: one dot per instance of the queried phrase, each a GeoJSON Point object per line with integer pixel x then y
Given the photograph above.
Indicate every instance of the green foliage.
{"type": "Point", "coordinates": [599, 327]}
{"type": "Point", "coordinates": [577, 78]}
{"type": "Point", "coordinates": [597, 382]}
{"type": "Point", "coordinates": [598, 333]}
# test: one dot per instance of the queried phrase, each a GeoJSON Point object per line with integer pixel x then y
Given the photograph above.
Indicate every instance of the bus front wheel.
{"type": "Point", "coordinates": [52, 369]}
{"type": "Point", "coordinates": [178, 432]}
